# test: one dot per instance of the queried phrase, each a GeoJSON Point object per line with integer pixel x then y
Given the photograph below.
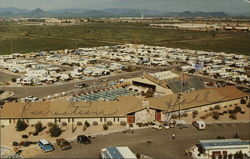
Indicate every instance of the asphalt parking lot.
{"type": "Point", "coordinates": [161, 146]}
{"type": "Point", "coordinates": [6, 76]}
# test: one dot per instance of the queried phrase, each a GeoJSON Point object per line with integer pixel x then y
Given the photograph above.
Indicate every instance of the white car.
{"type": "Point", "coordinates": [31, 99]}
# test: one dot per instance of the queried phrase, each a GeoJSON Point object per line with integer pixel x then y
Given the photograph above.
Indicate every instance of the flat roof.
{"type": "Point", "coordinates": [118, 153]}
{"type": "Point", "coordinates": [223, 142]}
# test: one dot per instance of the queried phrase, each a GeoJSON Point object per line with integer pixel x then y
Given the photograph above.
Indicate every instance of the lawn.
{"type": "Point", "coordinates": [27, 38]}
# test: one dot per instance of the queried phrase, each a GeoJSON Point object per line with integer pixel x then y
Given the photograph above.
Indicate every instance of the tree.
{"type": "Point", "coordinates": [217, 107]}
{"type": "Point", "coordinates": [55, 131]}
{"type": "Point", "coordinates": [105, 127]}
{"type": "Point", "coordinates": [216, 115]}
{"type": "Point", "coordinates": [237, 109]}
{"type": "Point", "coordinates": [243, 101]}
{"type": "Point", "coordinates": [13, 79]}
{"type": "Point", "coordinates": [39, 127]}
{"type": "Point", "coordinates": [149, 93]}
{"type": "Point", "coordinates": [21, 125]}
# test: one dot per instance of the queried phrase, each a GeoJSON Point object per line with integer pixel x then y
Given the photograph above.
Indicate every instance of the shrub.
{"type": "Point", "coordinates": [225, 112]}
{"type": "Point", "coordinates": [39, 127]}
{"type": "Point", "coordinates": [248, 105]}
{"type": "Point", "coordinates": [95, 123]}
{"type": "Point", "coordinates": [220, 137]}
{"type": "Point", "coordinates": [50, 124]}
{"type": "Point", "coordinates": [55, 131]}
{"type": "Point", "coordinates": [216, 115]}
{"type": "Point", "coordinates": [25, 136]}
{"type": "Point", "coordinates": [243, 101]}
{"type": "Point", "coordinates": [86, 123]}
{"type": "Point", "coordinates": [237, 109]}
{"type": "Point", "coordinates": [2, 126]}
{"type": "Point", "coordinates": [79, 123]}
{"type": "Point", "coordinates": [35, 133]}
{"type": "Point", "coordinates": [211, 108]}
{"type": "Point", "coordinates": [64, 123]}
{"type": "Point", "coordinates": [232, 116]}
{"type": "Point", "coordinates": [145, 124]}
{"type": "Point", "coordinates": [109, 123]}
{"type": "Point", "coordinates": [174, 116]}
{"type": "Point", "coordinates": [195, 113]}
{"type": "Point", "coordinates": [185, 114]}
{"type": "Point", "coordinates": [217, 107]}
{"type": "Point", "coordinates": [21, 125]}
{"type": "Point", "coordinates": [123, 123]}
{"type": "Point", "coordinates": [105, 127]}
{"type": "Point", "coordinates": [14, 143]}
{"type": "Point", "coordinates": [131, 125]}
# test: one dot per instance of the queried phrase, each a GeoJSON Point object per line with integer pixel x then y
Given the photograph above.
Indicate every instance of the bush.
{"type": "Point", "coordinates": [64, 123]}
{"type": "Point", "coordinates": [55, 131]}
{"type": "Point", "coordinates": [39, 127]}
{"type": "Point", "coordinates": [195, 113]}
{"type": "Point", "coordinates": [35, 133]}
{"type": "Point", "coordinates": [123, 123]}
{"type": "Point", "coordinates": [185, 114]}
{"type": "Point", "coordinates": [86, 123]}
{"type": "Point", "coordinates": [105, 127]}
{"type": "Point", "coordinates": [21, 125]}
{"type": "Point", "coordinates": [248, 105]}
{"type": "Point", "coordinates": [217, 107]}
{"type": "Point", "coordinates": [145, 124]}
{"type": "Point", "coordinates": [95, 123]}
{"type": "Point", "coordinates": [216, 115]}
{"type": "Point", "coordinates": [220, 137]}
{"type": "Point", "coordinates": [237, 109]}
{"type": "Point", "coordinates": [14, 143]}
{"type": "Point", "coordinates": [109, 123]}
{"type": "Point", "coordinates": [79, 123]}
{"type": "Point", "coordinates": [139, 124]}
{"type": "Point", "coordinates": [232, 116]}
{"type": "Point", "coordinates": [243, 101]}
{"type": "Point", "coordinates": [174, 116]}
{"type": "Point", "coordinates": [25, 136]}
{"type": "Point", "coordinates": [50, 124]}
{"type": "Point", "coordinates": [211, 109]}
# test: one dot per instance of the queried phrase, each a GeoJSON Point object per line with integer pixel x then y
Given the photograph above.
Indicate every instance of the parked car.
{"type": "Point", "coordinates": [82, 85]}
{"type": "Point", "coordinates": [82, 139]}
{"type": "Point", "coordinates": [31, 99]}
{"type": "Point", "coordinates": [64, 144]}
{"type": "Point", "coordinates": [45, 145]}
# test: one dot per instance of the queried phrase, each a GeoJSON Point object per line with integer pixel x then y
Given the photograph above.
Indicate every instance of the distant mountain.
{"type": "Point", "coordinates": [68, 11]}
{"type": "Point", "coordinates": [96, 14]}
{"type": "Point", "coordinates": [37, 13]}
{"type": "Point", "coordinates": [14, 10]}
{"type": "Point", "coordinates": [202, 14]}
{"type": "Point", "coordinates": [6, 14]}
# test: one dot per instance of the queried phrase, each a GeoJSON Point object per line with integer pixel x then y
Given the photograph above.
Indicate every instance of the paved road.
{"type": "Point", "coordinates": [43, 91]}
{"type": "Point", "coordinates": [6, 76]}
{"type": "Point", "coordinates": [162, 145]}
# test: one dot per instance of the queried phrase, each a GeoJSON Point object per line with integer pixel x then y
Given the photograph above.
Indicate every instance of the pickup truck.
{"type": "Point", "coordinates": [64, 144]}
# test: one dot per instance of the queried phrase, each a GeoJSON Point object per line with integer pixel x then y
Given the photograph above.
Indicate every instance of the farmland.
{"type": "Point", "coordinates": [32, 38]}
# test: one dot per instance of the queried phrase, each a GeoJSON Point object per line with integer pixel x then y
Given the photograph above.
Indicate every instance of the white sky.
{"type": "Point", "coordinates": [229, 6]}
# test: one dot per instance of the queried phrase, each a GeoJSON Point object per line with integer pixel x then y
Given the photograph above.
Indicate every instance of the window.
{"type": "Point", "coordinates": [114, 119]}
{"type": "Point", "coordinates": [100, 119]}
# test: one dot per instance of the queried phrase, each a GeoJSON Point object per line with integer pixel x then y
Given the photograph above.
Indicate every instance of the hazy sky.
{"type": "Point", "coordinates": [231, 6]}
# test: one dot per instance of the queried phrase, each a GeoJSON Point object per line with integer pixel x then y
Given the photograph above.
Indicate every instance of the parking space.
{"type": "Point", "coordinates": [161, 144]}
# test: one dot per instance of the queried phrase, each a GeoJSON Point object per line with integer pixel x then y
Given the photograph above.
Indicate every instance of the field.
{"type": "Point", "coordinates": [33, 38]}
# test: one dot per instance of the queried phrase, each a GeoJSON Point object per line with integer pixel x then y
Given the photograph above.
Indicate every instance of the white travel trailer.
{"type": "Point", "coordinates": [199, 124]}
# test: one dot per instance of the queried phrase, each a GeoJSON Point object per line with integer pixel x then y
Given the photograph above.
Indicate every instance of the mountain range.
{"type": "Point", "coordinates": [104, 13]}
